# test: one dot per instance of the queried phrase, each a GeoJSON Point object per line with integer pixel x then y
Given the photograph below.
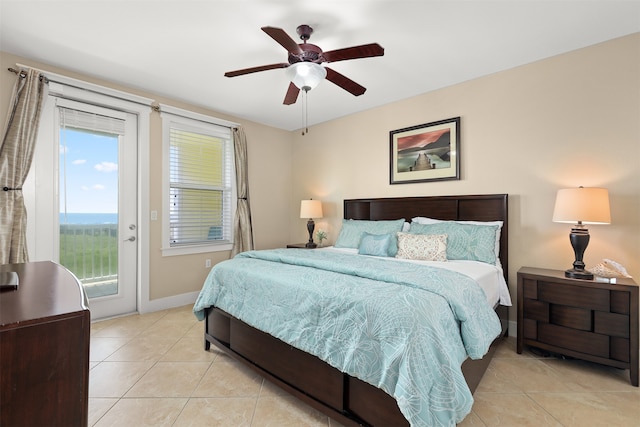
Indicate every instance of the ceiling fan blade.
{"type": "Point", "coordinates": [255, 69]}
{"type": "Point", "coordinates": [345, 82]}
{"type": "Point", "coordinates": [292, 94]}
{"type": "Point", "coordinates": [355, 52]}
{"type": "Point", "coordinates": [283, 39]}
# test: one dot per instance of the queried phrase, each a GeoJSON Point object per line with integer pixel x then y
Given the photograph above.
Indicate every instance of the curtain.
{"type": "Point", "coordinates": [242, 229]}
{"type": "Point", "coordinates": [16, 153]}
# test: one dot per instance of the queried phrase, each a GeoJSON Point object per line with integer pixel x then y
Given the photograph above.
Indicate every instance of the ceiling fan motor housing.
{"type": "Point", "coordinates": [310, 53]}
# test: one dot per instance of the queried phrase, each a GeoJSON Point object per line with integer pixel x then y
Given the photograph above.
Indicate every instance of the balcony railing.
{"type": "Point", "coordinates": [90, 251]}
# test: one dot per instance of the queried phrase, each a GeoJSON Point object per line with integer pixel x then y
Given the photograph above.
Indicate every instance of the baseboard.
{"type": "Point", "coordinates": [168, 302]}
{"type": "Point", "coordinates": [513, 328]}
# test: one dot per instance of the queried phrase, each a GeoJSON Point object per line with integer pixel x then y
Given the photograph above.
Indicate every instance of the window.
{"type": "Point", "coordinates": [199, 191]}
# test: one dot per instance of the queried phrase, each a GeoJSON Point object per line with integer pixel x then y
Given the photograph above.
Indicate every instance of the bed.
{"type": "Point", "coordinates": [339, 382]}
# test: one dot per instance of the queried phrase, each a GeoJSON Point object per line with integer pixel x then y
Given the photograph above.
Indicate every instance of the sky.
{"type": "Point", "coordinates": [420, 139]}
{"type": "Point", "coordinates": [91, 161]}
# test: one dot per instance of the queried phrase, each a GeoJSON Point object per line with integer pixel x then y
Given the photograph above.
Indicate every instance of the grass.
{"type": "Point", "coordinates": [90, 251]}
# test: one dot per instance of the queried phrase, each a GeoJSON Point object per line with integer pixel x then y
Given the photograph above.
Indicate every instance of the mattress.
{"type": "Point", "coordinates": [488, 276]}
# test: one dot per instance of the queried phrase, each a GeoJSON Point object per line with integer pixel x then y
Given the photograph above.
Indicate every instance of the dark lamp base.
{"type": "Point", "coordinates": [578, 274]}
{"type": "Point", "coordinates": [579, 238]}
{"type": "Point", "coordinates": [310, 226]}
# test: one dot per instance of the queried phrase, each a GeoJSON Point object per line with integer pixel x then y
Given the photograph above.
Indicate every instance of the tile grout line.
{"type": "Point", "coordinates": [118, 399]}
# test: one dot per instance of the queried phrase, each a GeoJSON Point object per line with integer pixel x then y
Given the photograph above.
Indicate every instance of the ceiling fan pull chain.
{"type": "Point", "coordinates": [305, 115]}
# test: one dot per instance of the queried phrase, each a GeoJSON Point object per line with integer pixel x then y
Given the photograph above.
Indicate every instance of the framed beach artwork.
{"type": "Point", "coordinates": [427, 152]}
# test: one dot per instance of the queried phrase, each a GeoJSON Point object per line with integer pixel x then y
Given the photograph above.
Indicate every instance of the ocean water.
{"type": "Point", "coordinates": [88, 218]}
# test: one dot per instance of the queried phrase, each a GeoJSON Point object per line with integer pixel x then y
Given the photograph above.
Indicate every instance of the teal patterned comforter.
{"type": "Point", "coordinates": [402, 327]}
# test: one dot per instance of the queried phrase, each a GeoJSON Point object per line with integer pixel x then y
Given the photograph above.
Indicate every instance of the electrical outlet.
{"type": "Point", "coordinates": [154, 215]}
{"type": "Point", "coordinates": [207, 263]}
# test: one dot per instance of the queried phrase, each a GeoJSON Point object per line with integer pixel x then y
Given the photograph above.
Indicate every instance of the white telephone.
{"type": "Point", "coordinates": [610, 269]}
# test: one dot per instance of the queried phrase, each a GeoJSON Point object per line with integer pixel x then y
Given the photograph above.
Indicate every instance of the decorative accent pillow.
{"type": "Point", "coordinates": [375, 244]}
{"type": "Point", "coordinates": [426, 247]}
{"type": "Point", "coordinates": [464, 241]}
{"type": "Point", "coordinates": [352, 229]}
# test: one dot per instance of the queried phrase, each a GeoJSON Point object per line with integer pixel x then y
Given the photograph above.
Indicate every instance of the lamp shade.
{"type": "Point", "coordinates": [311, 209]}
{"type": "Point", "coordinates": [306, 75]}
{"type": "Point", "coordinates": [585, 205]}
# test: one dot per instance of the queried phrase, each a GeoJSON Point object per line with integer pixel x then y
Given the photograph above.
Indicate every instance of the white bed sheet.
{"type": "Point", "coordinates": [489, 277]}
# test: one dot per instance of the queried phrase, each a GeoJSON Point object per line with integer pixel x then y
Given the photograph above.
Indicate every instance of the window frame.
{"type": "Point", "coordinates": [207, 125]}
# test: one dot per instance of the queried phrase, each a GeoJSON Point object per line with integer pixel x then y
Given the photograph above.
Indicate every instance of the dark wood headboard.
{"type": "Point", "coordinates": [486, 207]}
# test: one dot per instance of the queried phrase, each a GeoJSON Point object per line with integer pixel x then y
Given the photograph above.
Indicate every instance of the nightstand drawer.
{"type": "Point", "coordinates": [530, 288]}
{"type": "Point", "coordinates": [571, 339]}
{"type": "Point", "coordinates": [536, 310]}
{"type": "Point", "coordinates": [570, 317]}
{"type": "Point", "coordinates": [620, 349]}
{"type": "Point", "coordinates": [620, 302]}
{"type": "Point", "coordinates": [574, 296]}
{"type": "Point", "coordinates": [616, 325]}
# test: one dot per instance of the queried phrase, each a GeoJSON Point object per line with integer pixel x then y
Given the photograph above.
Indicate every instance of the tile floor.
{"type": "Point", "coordinates": [152, 370]}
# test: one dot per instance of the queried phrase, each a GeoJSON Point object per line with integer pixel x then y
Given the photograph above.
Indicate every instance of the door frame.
{"type": "Point", "coordinates": [39, 196]}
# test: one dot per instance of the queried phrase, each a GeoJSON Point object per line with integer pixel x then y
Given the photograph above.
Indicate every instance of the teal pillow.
{"type": "Point", "coordinates": [464, 241]}
{"type": "Point", "coordinates": [375, 244]}
{"type": "Point", "coordinates": [352, 229]}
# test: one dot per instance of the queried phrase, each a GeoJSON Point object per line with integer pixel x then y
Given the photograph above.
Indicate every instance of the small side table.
{"type": "Point", "coordinates": [593, 320]}
{"type": "Point", "coordinates": [298, 246]}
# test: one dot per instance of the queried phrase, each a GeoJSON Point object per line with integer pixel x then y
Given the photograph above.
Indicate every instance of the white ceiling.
{"type": "Point", "coordinates": [181, 49]}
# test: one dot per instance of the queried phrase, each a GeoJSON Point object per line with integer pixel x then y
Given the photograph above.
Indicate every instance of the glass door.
{"type": "Point", "coordinates": [97, 204]}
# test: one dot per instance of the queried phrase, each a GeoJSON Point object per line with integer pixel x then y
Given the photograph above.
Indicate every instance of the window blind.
{"type": "Point", "coordinates": [95, 123]}
{"type": "Point", "coordinates": [200, 186]}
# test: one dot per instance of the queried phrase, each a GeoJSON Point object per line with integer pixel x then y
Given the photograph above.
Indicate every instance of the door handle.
{"type": "Point", "coordinates": [130, 239]}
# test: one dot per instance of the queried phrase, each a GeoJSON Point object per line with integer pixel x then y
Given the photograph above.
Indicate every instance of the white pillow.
{"type": "Point", "coordinates": [426, 247]}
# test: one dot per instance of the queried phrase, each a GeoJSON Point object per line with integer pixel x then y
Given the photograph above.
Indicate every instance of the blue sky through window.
{"type": "Point", "coordinates": [90, 162]}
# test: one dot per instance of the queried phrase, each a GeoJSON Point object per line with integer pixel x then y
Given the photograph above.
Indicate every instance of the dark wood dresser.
{"type": "Point", "coordinates": [44, 348]}
{"type": "Point", "coordinates": [592, 320]}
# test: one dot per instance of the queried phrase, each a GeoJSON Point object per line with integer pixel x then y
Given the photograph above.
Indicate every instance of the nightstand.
{"type": "Point", "coordinates": [592, 320]}
{"type": "Point", "coordinates": [298, 246]}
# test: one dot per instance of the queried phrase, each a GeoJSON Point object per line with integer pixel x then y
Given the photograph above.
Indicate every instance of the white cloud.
{"type": "Point", "coordinates": [63, 149]}
{"type": "Point", "coordinates": [79, 162]}
{"type": "Point", "coordinates": [99, 187]}
{"type": "Point", "coordinates": [106, 167]}
{"type": "Point", "coordinates": [84, 188]}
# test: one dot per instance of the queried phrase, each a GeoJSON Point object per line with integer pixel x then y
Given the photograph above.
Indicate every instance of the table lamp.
{"type": "Point", "coordinates": [581, 206]}
{"type": "Point", "coordinates": [311, 209]}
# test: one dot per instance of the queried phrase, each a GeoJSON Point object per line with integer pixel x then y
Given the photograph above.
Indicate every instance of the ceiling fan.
{"type": "Point", "coordinates": [307, 55]}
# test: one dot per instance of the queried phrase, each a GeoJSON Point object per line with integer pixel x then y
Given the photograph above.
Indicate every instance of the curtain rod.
{"type": "Point", "coordinates": [154, 107]}
{"type": "Point", "coordinates": [44, 78]}
{"type": "Point", "coordinates": [22, 75]}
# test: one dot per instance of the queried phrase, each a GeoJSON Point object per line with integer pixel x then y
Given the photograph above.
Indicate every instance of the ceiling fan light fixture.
{"type": "Point", "coordinates": [306, 75]}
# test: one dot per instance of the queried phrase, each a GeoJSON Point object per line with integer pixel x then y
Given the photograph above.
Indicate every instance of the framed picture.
{"type": "Point", "coordinates": [428, 152]}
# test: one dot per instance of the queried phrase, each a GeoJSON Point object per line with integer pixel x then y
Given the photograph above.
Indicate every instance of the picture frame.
{"type": "Point", "coordinates": [426, 152]}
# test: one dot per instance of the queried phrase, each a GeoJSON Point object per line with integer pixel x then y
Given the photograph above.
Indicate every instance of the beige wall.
{"type": "Point", "coordinates": [565, 121]}
{"type": "Point", "coordinates": [561, 122]}
{"type": "Point", "coordinates": [270, 177]}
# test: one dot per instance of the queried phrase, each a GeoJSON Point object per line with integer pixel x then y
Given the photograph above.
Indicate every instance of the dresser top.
{"type": "Point", "coordinates": [46, 290]}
